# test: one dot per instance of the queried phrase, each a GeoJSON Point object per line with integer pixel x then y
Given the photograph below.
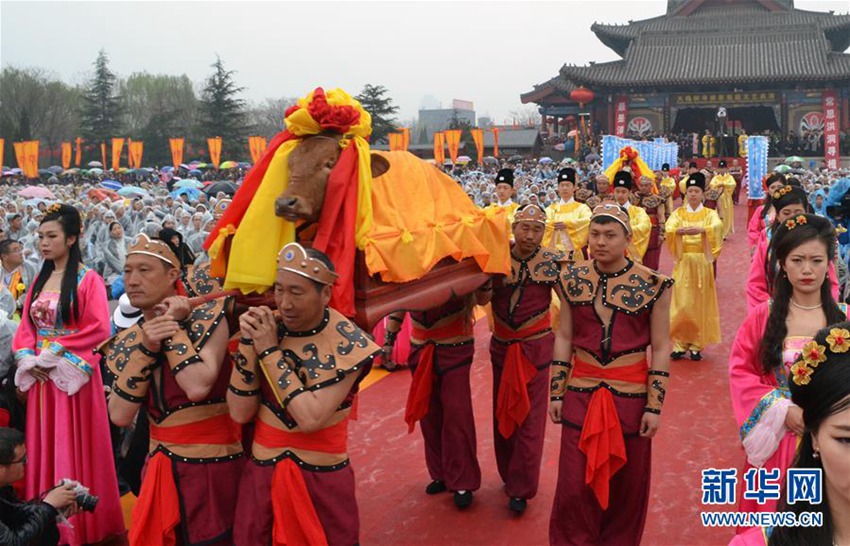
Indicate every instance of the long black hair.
{"type": "Point", "coordinates": [784, 241]}
{"type": "Point", "coordinates": [768, 200]}
{"type": "Point", "coordinates": [791, 195]}
{"type": "Point", "coordinates": [826, 393]}
{"type": "Point", "coordinates": [69, 219]}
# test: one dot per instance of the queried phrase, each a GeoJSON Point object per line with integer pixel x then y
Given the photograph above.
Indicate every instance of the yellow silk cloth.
{"type": "Point", "coordinates": [694, 313]}
{"type": "Point", "coordinates": [641, 230]}
{"type": "Point", "coordinates": [725, 204]}
{"type": "Point", "coordinates": [510, 211]}
{"type": "Point", "coordinates": [252, 264]}
{"type": "Point", "coordinates": [618, 164]}
{"type": "Point", "coordinates": [576, 217]}
{"type": "Point", "coordinates": [421, 216]}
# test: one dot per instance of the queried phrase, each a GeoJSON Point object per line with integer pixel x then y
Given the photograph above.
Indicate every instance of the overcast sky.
{"type": "Point", "coordinates": [485, 52]}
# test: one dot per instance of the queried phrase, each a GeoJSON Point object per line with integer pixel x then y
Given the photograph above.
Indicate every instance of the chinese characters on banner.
{"type": "Point", "coordinates": [830, 129]}
{"type": "Point", "coordinates": [621, 116]}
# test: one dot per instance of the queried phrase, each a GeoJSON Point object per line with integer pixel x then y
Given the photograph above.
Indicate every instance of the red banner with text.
{"type": "Point", "coordinates": [621, 116]}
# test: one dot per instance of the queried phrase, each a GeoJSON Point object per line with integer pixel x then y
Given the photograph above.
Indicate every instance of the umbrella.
{"type": "Point", "coordinates": [794, 159]}
{"type": "Point", "coordinates": [204, 166]}
{"type": "Point", "coordinates": [228, 165]}
{"type": "Point", "coordinates": [131, 191]}
{"type": "Point", "coordinates": [167, 169]}
{"type": "Point", "coordinates": [514, 158]}
{"type": "Point", "coordinates": [71, 171]}
{"type": "Point", "coordinates": [16, 171]}
{"type": "Point", "coordinates": [112, 184]}
{"type": "Point", "coordinates": [545, 160]}
{"type": "Point", "coordinates": [569, 160]}
{"type": "Point", "coordinates": [184, 166]}
{"type": "Point", "coordinates": [31, 192]}
{"type": "Point", "coordinates": [102, 194]}
{"type": "Point", "coordinates": [592, 157]}
{"type": "Point", "coordinates": [782, 169]}
{"type": "Point", "coordinates": [195, 172]}
{"type": "Point", "coordinates": [45, 172]}
{"type": "Point", "coordinates": [216, 187]}
{"type": "Point", "coordinates": [55, 169]}
{"type": "Point", "coordinates": [464, 158]}
{"type": "Point", "coordinates": [96, 171]}
{"type": "Point", "coordinates": [189, 183]}
{"type": "Point", "coordinates": [94, 164]}
{"type": "Point", "coordinates": [191, 192]}
{"type": "Point", "coordinates": [244, 164]}
{"type": "Point", "coordinates": [491, 161]}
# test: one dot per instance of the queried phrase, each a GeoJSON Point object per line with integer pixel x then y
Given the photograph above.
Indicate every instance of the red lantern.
{"type": "Point", "coordinates": [582, 95]}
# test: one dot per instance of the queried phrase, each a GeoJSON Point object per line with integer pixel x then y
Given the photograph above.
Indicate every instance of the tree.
{"type": "Point", "coordinates": [527, 116]}
{"type": "Point", "coordinates": [382, 110]}
{"type": "Point", "coordinates": [101, 108]}
{"type": "Point", "coordinates": [222, 112]}
{"type": "Point", "coordinates": [266, 118]}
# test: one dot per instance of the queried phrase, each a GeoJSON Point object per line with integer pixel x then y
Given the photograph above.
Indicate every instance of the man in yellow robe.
{"type": "Point", "coordinates": [504, 192]}
{"type": "Point", "coordinates": [694, 238]}
{"type": "Point", "coordinates": [667, 185]}
{"type": "Point", "coordinates": [683, 183]}
{"type": "Point", "coordinates": [742, 143]}
{"type": "Point", "coordinates": [708, 142]}
{"type": "Point", "coordinates": [567, 220]}
{"type": "Point", "coordinates": [726, 182]}
{"type": "Point", "coordinates": [641, 224]}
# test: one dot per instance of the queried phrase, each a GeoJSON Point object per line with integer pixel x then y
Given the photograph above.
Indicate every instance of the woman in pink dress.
{"type": "Point", "coordinates": [67, 430]}
{"type": "Point", "coordinates": [764, 214]}
{"type": "Point", "coordinates": [771, 338]}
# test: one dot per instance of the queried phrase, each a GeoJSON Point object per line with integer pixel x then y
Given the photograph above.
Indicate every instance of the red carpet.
{"type": "Point", "coordinates": [698, 431]}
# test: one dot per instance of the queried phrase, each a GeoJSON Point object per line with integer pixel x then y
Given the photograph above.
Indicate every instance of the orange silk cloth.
{"type": "Point", "coordinates": [601, 435]}
{"type": "Point", "coordinates": [296, 522]}
{"type": "Point", "coordinates": [422, 384]}
{"type": "Point", "coordinates": [512, 401]}
{"type": "Point", "coordinates": [157, 512]}
{"type": "Point", "coordinates": [421, 216]}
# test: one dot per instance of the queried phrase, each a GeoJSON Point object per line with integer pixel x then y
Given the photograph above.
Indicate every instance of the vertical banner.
{"type": "Point", "coordinates": [621, 116]}
{"type": "Point", "coordinates": [256, 145]}
{"type": "Point", "coordinates": [78, 159]}
{"type": "Point", "coordinates": [117, 148]}
{"type": "Point", "coordinates": [439, 148]}
{"type": "Point", "coordinates": [176, 151]}
{"type": "Point", "coordinates": [135, 151]}
{"type": "Point", "coordinates": [496, 142]}
{"type": "Point", "coordinates": [215, 150]}
{"type": "Point", "coordinates": [453, 142]}
{"type": "Point", "coordinates": [757, 148]}
{"type": "Point", "coordinates": [396, 141]}
{"type": "Point", "coordinates": [103, 162]}
{"type": "Point", "coordinates": [405, 138]}
{"type": "Point", "coordinates": [478, 137]}
{"type": "Point", "coordinates": [831, 151]}
{"type": "Point", "coordinates": [2, 149]}
{"type": "Point", "coordinates": [30, 167]}
{"type": "Point", "coordinates": [19, 154]}
{"type": "Point", "coordinates": [66, 155]}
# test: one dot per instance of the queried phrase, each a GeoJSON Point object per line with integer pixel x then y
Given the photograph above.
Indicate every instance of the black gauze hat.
{"type": "Point", "coordinates": [567, 174]}
{"type": "Point", "coordinates": [622, 179]}
{"type": "Point", "coordinates": [505, 176]}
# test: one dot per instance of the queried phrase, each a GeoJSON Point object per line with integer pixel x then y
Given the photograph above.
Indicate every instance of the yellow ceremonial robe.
{"type": "Point", "coordinates": [694, 313]}
{"type": "Point", "coordinates": [641, 230]}
{"type": "Point", "coordinates": [683, 186]}
{"type": "Point", "coordinates": [742, 145]}
{"type": "Point", "coordinates": [726, 206]}
{"type": "Point", "coordinates": [576, 216]}
{"type": "Point", "coordinates": [510, 209]}
{"type": "Point", "coordinates": [669, 183]}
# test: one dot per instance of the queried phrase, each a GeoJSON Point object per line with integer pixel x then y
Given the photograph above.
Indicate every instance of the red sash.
{"type": "Point", "coordinates": [512, 401]}
{"type": "Point", "coordinates": [419, 396]}
{"type": "Point", "coordinates": [296, 522]}
{"type": "Point", "coordinates": [157, 511]}
{"type": "Point", "coordinates": [601, 435]}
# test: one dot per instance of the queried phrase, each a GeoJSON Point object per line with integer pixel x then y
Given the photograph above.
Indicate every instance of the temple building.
{"type": "Point", "coordinates": [763, 63]}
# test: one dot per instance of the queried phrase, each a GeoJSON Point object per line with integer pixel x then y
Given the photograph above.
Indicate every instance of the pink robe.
{"type": "Point", "coordinates": [67, 429]}
{"type": "Point", "coordinates": [757, 290]}
{"type": "Point", "coordinates": [761, 401]}
{"type": "Point", "coordinates": [756, 227]}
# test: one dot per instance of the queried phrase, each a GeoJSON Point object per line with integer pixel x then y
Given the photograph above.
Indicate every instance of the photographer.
{"type": "Point", "coordinates": [23, 523]}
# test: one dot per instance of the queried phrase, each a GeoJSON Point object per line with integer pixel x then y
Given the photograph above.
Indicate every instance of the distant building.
{"type": "Point", "coordinates": [439, 119]}
{"type": "Point", "coordinates": [485, 122]}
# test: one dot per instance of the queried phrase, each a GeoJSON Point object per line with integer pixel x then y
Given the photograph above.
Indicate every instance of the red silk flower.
{"type": "Point", "coordinates": [332, 118]}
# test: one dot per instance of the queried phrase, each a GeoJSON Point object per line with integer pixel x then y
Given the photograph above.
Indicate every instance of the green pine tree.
{"type": "Point", "coordinates": [381, 109]}
{"type": "Point", "coordinates": [223, 113]}
{"type": "Point", "coordinates": [102, 108]}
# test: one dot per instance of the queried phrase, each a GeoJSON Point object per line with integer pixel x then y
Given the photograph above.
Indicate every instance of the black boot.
{"type": "Point", "coordinates": [435, 487]}
{"type": "Point", "coordinates": [677, 355]}
{"type": "Point", "coordinates": [517, 505]}
{"type": "Point", "coordinates": [463, 498]}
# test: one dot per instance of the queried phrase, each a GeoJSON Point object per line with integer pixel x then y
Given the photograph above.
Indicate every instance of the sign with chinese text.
{"type": "Point", "coordinates": [831, 153]}
{"type": "Point", "coordinates": [621, 116]}
{"type": "Point", "coordinates": [717, 99]}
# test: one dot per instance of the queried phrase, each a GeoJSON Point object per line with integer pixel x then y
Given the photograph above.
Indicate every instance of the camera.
{"type": "Point", "coordinates": [85, 500]}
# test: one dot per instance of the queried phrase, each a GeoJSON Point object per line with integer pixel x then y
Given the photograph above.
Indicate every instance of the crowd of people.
{"type": "Point", "coordinates": [583, 332]}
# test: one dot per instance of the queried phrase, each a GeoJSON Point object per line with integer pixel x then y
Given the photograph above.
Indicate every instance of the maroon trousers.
{"type": "Point", "coordinates": [449, 426]}
{"type": "Point", "coordinates": [333, 497]}
{"type": "Point", "coordinates": [577, 518]}
{"type": "Point", "coordinates": [653, 252]}
{"type": "Point", "coordinates": [518, 457]}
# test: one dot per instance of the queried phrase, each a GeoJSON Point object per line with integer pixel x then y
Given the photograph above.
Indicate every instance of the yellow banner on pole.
{"type": "Point", "coordinates": [439, 148]}
{"type": "Point", "coordinates": [176, 151]}
{"type": "Point", "coordinates": [66, 155]}
{"type": "Point", "coordinates": [453, 142]}
{"type": "Point", "coordinates": [215, 150]}
{"type": "Point", "coordinates": [79, 156]}
{"type": "Point", "coordinates": [478, 137]}
{"type": "Point", "coordinates": [117, 148]}
{"type": "Point", "coordinates": [134, 152]}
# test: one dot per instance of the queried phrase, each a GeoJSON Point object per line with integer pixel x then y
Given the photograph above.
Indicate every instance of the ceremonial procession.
{"type": "Point", "coordinates": [614, 304]}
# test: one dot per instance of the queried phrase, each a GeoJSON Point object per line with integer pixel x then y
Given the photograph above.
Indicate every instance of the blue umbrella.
{"type": "Point", "coordinates": [188, 183]}
{"type": "Point", "coordinates": [167, 169]}
{"type": "Point", "coordinates": [112, 184]}
{"type": "Point", "coordinates": [191, 192]}
{"type": "Point", "coordinates": [131, 191]}
{"type": "Point", "coordinates": [195, 172]}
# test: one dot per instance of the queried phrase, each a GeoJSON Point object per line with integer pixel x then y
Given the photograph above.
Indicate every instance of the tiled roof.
{"type": "Point", "coordinates": [543, 90]}
{"type": "Point", "coordinates": [725, 56]}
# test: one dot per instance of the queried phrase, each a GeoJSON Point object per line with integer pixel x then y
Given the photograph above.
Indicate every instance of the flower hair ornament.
{"type": "Point", "coordinates": [800, 220]}
{"type": "Point", "coordinates": [814, 354]}
{"type": "Point", "coordinates": [55, 207]}
{"type": "Point", "coordinates": [781, 191]}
